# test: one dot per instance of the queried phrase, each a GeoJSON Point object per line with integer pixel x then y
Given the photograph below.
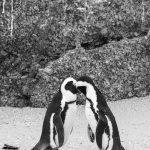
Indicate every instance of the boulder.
{"type": "Point", "coordinates": [119, 69]}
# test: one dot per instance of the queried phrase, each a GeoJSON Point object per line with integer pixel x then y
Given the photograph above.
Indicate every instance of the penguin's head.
{"type": "Point", "coordinates": [69, 90]}
{"type": "Point", "coordinates": [86, 86]}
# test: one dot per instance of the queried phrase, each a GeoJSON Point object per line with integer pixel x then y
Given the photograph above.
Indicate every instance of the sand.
{"type": "Point", "coordinates": [22, 126]}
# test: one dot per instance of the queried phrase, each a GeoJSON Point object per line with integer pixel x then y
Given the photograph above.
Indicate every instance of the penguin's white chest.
{"type": "Point", "coordinates": [69, 121]}
{"type": "Point", "coordinates": [91, 118]}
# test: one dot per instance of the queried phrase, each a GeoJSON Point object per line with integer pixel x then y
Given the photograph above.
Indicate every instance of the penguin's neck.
{"type": "Point", "coordinates": [67, 109]}
{"type": "Point", "coordinates": [68, 101]}
{"type": "Point", "coordinates": [96, 97]}
{"type": "Point", "coordinates": [91, 98]}
{"type": "Point", "coordinates": [101, 99]}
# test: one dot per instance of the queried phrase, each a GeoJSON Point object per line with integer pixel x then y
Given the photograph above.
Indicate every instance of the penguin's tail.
{"type": "Point", "coordinates": [6, 146]}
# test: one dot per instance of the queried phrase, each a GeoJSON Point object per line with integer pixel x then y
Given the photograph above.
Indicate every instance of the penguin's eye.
{"type": "Point", "coordinates": [82, 89]}
{"type": "Point", "coordinates": [69, 86]}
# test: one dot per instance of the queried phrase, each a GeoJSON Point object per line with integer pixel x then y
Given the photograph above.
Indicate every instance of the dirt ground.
{"type": "Point", "coordinates": [22, 127]}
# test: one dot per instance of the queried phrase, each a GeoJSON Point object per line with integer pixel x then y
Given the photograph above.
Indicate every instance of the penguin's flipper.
{"type": "Point", "coordinates": [90, 134]}
{"type": "Point", "coordinates": [59, 128]}
{"type": "Point", "coordinates": [6, 146]}
{"type": "Point", "coordinates": [100, 131]}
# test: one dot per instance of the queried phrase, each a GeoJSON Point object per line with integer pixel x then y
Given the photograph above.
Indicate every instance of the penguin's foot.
{"type": "Point", "coordinates": [6, 146]}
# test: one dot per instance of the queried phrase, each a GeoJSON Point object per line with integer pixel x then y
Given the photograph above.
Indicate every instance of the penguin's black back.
{"type": "Point", "coordinates": [103, 126]}
{"type": "Point", "coordinates": [106, 111]}
{"type": "Point", "coordinates": [53, 107]}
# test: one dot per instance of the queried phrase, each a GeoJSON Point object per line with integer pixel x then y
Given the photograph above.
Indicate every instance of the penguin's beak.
{"type": "Point", "coordinates": [76, 85]}
{"type": "Point", "coordinates": [81, 88]}
{"type": "Point", "coordinates": [78, 90]}
{"type": "Point", "coordinates": [81, 100]}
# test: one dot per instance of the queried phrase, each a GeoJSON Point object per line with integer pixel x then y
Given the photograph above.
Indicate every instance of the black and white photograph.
{"type": "Point", "coordinates": [75, 74]}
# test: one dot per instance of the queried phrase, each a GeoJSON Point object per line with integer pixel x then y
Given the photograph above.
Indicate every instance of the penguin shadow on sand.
{"type": "Point", "coordinates": [102, 127]}
{"type": "Point", "coordinates": [59, 118]}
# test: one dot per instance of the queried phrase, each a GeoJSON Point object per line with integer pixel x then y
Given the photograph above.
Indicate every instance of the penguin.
{"type": "Point", "coordinates": [59, 117]}
{"type": "Point", "coordinates": [102, 126]}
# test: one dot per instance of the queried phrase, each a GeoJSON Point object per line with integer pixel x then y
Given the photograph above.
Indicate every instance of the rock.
{"type": "Point", "coordinates": [125, 74]}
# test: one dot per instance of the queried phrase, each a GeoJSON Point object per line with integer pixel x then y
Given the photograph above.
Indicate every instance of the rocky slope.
{"type": "Point", "coordinates": [119, 69]}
